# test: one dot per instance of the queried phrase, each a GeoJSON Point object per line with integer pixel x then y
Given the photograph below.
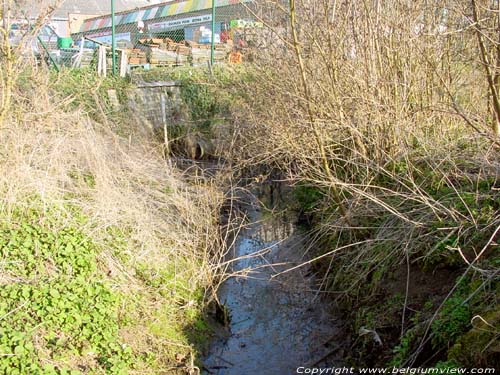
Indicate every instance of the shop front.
{"type": "Point", "coordinates": [178, 20]}
{"type": "Point", "coordinates": [195, 28]}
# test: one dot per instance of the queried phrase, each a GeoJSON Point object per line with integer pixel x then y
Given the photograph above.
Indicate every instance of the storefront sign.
{"type": "Point", "coordinates": [179, 23]}
{"type": "Point", "coordinates": [240, 24]}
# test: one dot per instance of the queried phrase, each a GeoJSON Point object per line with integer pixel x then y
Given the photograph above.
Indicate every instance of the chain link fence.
{"type": "Point", "coordinates": [170, 34]}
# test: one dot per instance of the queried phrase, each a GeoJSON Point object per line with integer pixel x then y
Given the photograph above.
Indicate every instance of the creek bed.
{"type": "Point", "coordinates": [277, 323]}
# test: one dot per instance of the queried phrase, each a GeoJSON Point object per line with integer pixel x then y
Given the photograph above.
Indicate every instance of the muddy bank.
{"type": "Point", "coordinates": [277, 321]}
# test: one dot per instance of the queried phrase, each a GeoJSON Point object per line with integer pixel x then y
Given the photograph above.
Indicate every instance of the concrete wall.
{"type": "Point", "coordinates": [160, 103]}
{"type": "Point", "coordinates": [60, 26]}
{"type": "Point", "coordinates": [157, 106]}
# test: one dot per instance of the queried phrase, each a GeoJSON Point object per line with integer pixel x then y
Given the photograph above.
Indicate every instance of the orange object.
{"type": "Point", "coordinates": [224, 36]}
{"type": "Point", "coordinates": [235, 58]}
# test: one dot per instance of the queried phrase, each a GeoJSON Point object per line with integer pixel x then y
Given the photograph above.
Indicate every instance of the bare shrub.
{"type": "Point", "coordinates": [385, 107]}
{"type": "Point", "coordinates": [364, 93]}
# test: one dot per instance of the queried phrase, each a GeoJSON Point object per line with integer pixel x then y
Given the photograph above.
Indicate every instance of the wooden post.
{"type": "Point", "coordinates": [101, 62]}
{"type": "Point", "coordinates": [165, 123]}
{"type": "Point", "coordinates": [212, 47]}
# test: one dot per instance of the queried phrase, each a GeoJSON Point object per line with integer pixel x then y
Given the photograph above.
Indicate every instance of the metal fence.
{"type": "Point", "coordinates": [186, 33]}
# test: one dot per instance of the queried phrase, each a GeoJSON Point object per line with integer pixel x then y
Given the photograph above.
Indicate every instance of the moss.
{"type": "Point", "coordinates": [402, 351]}
{"type": "Point", "coordinates": [481, 344]}
{"type": "Point", "coordinates": [307, 197]}
{"type": "Point", "coordinates": [447, 365]}
{"type": "Point", "coordinates": [442, 254]}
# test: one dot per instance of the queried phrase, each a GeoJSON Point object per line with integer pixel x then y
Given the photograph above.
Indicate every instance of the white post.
{"type": "Point", "coordinates": [123, 63]}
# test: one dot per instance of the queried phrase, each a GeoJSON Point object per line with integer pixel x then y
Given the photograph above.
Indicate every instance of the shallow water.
{"type": "Point", "coordinates": [277, 323]}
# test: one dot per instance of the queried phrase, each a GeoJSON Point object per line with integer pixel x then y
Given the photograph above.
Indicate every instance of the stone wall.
{"type": "Point", "coordinates": [159, 103]}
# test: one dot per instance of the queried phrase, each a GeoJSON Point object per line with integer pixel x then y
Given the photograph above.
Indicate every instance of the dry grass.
{"type": "Point", "coordinates": [146, 221]}
{"type": "Point", "coordinates": [65, 158]}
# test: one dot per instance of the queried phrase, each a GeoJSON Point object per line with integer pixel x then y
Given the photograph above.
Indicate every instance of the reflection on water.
{"type": "Point", "coordinates": [276, 325]}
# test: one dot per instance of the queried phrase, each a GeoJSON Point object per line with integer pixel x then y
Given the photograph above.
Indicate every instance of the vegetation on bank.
{"type": "Point", "coordinates": [415, 260]}
{"type": "Point", "coordinates": [386, 138]}
{"type": "Point", "coordinates": [383, 126]}
{"type": "Point", "coordinates": [106, 253]}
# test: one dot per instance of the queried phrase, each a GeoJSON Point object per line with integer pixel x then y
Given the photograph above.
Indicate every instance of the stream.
{"type": "Point", "coordinates": [277, 321]}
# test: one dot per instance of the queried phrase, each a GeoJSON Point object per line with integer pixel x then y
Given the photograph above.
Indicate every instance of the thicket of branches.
{"type": "Point", "coordinates": [390, 109]}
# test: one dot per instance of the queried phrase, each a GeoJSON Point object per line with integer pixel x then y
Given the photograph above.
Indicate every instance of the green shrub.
{"type": "Point", "coordinates": [307, 196]}
{"type": "Point", "coordinates": [58, 315]}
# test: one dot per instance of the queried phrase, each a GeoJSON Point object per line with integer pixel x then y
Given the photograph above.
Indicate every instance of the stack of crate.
{"type": "Point", "coordinates": [183, 54]}
{"type": "Point", "coordinates": [167, 44]}
{"type": "Point", "coordinates": [137, 57]}
{"type": "Point", "coordinates": [166, 52]}
{"type": "Point", "coordinates": [192, 44]}
{"type": "Point", "coordinates": [162, 57]}
{"type": "Point", "coordinates": [200, 56]}
{"type": "Point", "coordinates": [221, 53]}
{"type": "Point", "coordinates": [161, 52]}
{"type": "Point", "coordinates": [201, 53]}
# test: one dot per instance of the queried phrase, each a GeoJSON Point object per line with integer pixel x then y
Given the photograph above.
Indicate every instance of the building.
{"type": "Point", "coordinates": [70, 15]}
{"type": "Point", "coordinates": [175, 19]}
